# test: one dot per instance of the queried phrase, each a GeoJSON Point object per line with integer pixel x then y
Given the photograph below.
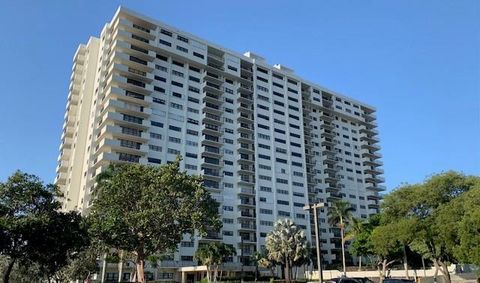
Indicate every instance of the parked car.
{"type": "Point", "coordinates": [349, 280]}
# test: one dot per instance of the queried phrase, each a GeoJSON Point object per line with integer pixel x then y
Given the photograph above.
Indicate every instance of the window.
{"type": "Point", "coordinates": [176, 105]}
{"type": "Point", "coordinates": [198, 55]}
{"type": "Point", "coordinates": [265, 189]}
{"type": "Point", "coordinates": [155, 136]}
{"type": "Point", "coordinates": [158, 100]}
{"type": "Point", "coordinates": [174, 140]}
{"type": "Point", "coordinates": [163, 58]}
{"type": "Point", "coordinates": [154, 147]}
{"type": "Point", "coordinates": [181, 38]}
{"type": "Point", "coordinates": [154, 160]}
{"type": "Point", "coordinates": [164, 42]}
{"type": "Point", "coordinates": [266, 211]}
{"type": "Point", "coordinates": [156, 124]}
{"type": "Point", "coordinates": [173, 128]}
{"type": "Point", "coordinates": [183, 49]}
{"type": "Point", "coordinates": [166, 32]}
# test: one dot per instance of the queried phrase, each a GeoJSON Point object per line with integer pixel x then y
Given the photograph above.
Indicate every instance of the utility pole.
{"type": "Point", "coordinates": [317, 236]}
{"type": "Point", "coordinates": [241, 257]}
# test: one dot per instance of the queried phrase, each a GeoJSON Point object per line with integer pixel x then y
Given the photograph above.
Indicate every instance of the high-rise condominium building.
{"type": "Point", "coordinates": [266, 141]}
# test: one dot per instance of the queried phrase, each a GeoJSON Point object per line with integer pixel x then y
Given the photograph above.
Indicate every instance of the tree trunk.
{"type": "Point", "coordinates": [287, 273]}
{"type": "Point", "coordinates": [120, 267]}
{"type": "Point", "coordinates": [343, 250]}
{"type": "Point", "coordinates": [384, 270]}
{"type": "Point", "coordinates": [360, 263]}
{"type": "Point", "coordinates": [435, 263]}
{"type": "Point", "coordinates": [8, 271]}
{"type": "Point", "coordinates": [446, 273]}
{"type": "Point", "coordinates": [405, 262]}
{"type": "Point", "coordinates": [208, 274]}
{"type": "Point", "coordinates": [104, 267]}
{"type": "Point", "coordinates": [215, 273]}
{"type": "Point", "coordinates": [140, 264]}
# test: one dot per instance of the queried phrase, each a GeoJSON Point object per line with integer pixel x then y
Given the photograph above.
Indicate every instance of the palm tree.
{"type": "Point", "coordinates": [356, 227]}
{"type": "Point", "coordinates": [339, 213]}
{"type": "Point", "coordinates": [212, 255]}
{"type": "Point", "coordinates": [286, 244]}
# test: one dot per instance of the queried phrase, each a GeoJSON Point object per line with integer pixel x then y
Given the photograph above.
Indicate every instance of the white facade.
{"type": "Point", "coordinates": [266, 141]}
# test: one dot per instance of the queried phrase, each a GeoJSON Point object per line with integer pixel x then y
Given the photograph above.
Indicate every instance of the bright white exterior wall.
{"type": "Point", "coordinates": [267, 141]}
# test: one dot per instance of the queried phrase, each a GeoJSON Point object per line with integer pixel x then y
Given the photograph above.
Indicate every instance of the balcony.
{"type": "Point", "coordinates": [327, 117]}
{"type": "Point", "coordinates": [245, 148]}
{"type": "Point", "coordinates": [245, 107]}
{"type": "Point", "coordinates": [244, 117]}
{"type": "Point", "coordinates": [210, 140]}
{"type": "Point", "coordinates": [132, 61]}
{"type": "Point", "coordinates": [247, 98]}
{"type": "Point", "coordinates": [371, 155]}
{"type": "Point", "coordinates": [368, 131]}
{"type": "Point", "coordinates": [373, 171]}
{"type": "Point", "coordinates": [212, 87]}
{"type": "Point", "coordinates": [246, 159]}
{"type": "Point", "coordinates": [373, 163]}
{"type": "Point", "coordinates": [328, 142]}
{"type": "Point", "coordinates": [374, 179]}
{"type": "Point", "coordinates": [213, 78]}
{"type": "Point", "coordinates": [213, 130]}
{"type": "Point", "coordinates": [128, 108]}
{"type": "Point", "coordinates": [244, 137]}
{"type": "Point", "coordinates": [212, 108]}
{"type": "Point", "coordinates": [215, 58]}
{"type": "Point", "coordinates": [211, 151]}
{"type": "Point", "coordinates": [212, 118]}
{"type": "Point", "coordinates": [131, 85]}
{"type": "Point", "coordinates": [212, 98]}
{"type": "Point", "coordinates": [246, 169]}
{"type": "Point", "coordinates": [247, 214]}
{"type": "Point", "coordinates": [247, 202]}
{"type": "Point", "coordinates": [245, 128]}
{"type": "Point", "coordinates": [246, 180]}
{"type": "Point", "coordinates": [211, 173]}
{"type": "Point", "coordinates": [327, 133]}
{"type": "Point", "coordinates": [370, 146]}
{"type": "Point", "coordinates": [247, 226]}
{"type": "Point", "coordinates": [327, 125]}
{"type": "Point", "coordinates": [369, 139]}
{"type": "Point", "coordinates": [245, 89]}
{"type": "Point", "coordinates": [123, 146]}
{"type": "Point", "coordinates": [375, 187]}
{"type": "Point", "coordinates": [246, 191]}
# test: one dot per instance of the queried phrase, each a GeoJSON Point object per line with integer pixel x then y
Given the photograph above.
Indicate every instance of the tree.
{"type": "Point", "coordinates": [32, 230]}
{"type": "Point", "coordinates": [264, 262]}
{"type": "Point", "coordinates": [59, 240]}
{"type": "Point", "coordinates": [146, 210]}
{"type": "Point", "coordinates": [256, 257]}
{"type": "Point", "coordinates": [421, 204]}
{"type": "Point", "coordinates": [212, 255]}
{"type": "Point", "coordinates": [338, 215]}
{"type": "Point", "coordinates": [355, 229]}
{"type": "Point", "coordinates": [462, 217]}
{"type": "Point", "coordinates": [286, 244]}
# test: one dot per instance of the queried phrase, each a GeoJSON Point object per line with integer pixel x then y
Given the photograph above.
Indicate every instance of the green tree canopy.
{"type": "Point", "coordinates": [213, 255]}
{"type": "Point", "coordinates": [32, 230]}
{"type": "Point", "coordinates": [146, 210]}
{"type": "Point", "coordinates": [415, 212]}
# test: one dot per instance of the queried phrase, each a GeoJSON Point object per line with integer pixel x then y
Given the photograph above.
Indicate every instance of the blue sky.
{"type": "Point", "coordinates": [418, 62]}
